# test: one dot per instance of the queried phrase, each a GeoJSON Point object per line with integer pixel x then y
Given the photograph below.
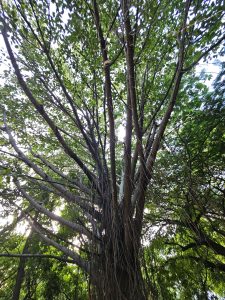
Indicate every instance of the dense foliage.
{"type": "Point", "coordinates": [112, 150]}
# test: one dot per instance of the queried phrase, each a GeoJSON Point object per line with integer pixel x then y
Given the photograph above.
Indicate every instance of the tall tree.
{"type": "Point", "coordinates": [83, 69]}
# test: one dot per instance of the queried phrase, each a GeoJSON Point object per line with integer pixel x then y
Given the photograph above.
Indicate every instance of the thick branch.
{"type": "Point", "coordinates": [131, 76]}
{"type": "Point", "coordinates": [108, 91]}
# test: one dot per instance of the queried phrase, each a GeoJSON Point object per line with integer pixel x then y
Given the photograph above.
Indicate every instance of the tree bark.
{"type": "Point", "coordinates": [120, 275]}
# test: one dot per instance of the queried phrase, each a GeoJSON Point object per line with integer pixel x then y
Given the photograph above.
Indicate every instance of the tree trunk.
{"type": "Point", "coordinates": [21, 270]}
{"type": "Point", "coordinates": [122, 284]}
{"type": "Point", "coordinates": [120, 276]}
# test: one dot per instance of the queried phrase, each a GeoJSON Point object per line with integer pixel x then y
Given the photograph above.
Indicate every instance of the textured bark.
{"type": "Point", "coordinates": [122, 279]}
{"type": "Point", "coordinates": [120, 275]}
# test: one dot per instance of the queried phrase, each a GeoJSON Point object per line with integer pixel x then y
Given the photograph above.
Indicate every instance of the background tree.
{"type": "Point", "coordinates": [186, 200]}
{"type": "Point", "coordinates": [80, 70]}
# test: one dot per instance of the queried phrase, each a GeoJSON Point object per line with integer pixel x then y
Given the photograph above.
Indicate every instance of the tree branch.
{"type": "Point", "coordinates": [37, 255]}
{"type": "Point", "coordinates": [63, 191]}
{"type": "Point", "coordinates": [108, 91]}
{"type": "Point", "coordinates": [76, 227]}
{"type": "Point", "coordinates": [205, 53]}
{"type": "Point", "coordinates": [40, 109]}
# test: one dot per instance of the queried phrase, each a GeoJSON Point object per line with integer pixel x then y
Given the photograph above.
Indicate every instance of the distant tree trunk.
{"type": "Point", "coordinates": [21, 270]}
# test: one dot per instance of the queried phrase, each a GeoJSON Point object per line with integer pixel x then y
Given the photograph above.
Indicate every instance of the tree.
{"type": "Point", "coordinates": [79, 70]}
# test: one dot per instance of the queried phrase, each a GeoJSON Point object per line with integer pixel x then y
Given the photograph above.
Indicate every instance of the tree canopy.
{"type": "Point", "coordinates": [112, 150]}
